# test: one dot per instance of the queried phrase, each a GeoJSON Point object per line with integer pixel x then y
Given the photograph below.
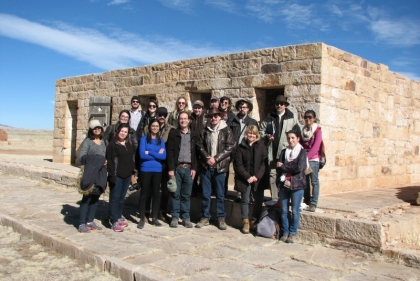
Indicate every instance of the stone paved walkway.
{"type": "Point", "coordinates": [49, 215]}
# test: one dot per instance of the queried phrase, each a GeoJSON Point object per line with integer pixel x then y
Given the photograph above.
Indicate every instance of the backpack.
{"type": "Point", "coordinates": [269, 224]}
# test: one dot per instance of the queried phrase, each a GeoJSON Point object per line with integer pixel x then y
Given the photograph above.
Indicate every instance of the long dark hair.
{"type": "Point", "coordinates": [119, 128]}
{"type": "Point", "coordinates": [149, 134]}
{"type": "Point", "coordinates": [92, 136]}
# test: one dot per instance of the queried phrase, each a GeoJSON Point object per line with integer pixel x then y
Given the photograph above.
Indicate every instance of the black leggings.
{"type": "Point", "coordinates": [150, 183]}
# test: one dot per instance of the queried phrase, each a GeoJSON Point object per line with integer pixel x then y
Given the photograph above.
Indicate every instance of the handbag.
{"type": "Point", "coordinates": [321, 155]}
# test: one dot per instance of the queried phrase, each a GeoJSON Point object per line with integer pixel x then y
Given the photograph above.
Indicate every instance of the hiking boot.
{"type": "Point", "coordinates": [117, 227]}
{"type": "Point", "coordinates": [284, 238]}
{"type": "Point", "coordinates": [140, 225]}
{"type": "Point", "coordinates": [245, 228]}
{"type": "Point", "coordinates": [93, 226]}
{"type": "Point", "coordinates": [187, 223]}
{"type": "Point", "coordinates": [290, 239]}
{"type": "Point", "coordinates": [253, 225]}
{"type": "Point", "coordinates": [222, 224]}
{"type": "Point", "coordinates": [83, 228]}
{"type": "Point", "coordinates": [155, 222]}
{"type": "Point", "coordinates": [174, 222]}
{"type": "Point", "coordinates": [163, 217]}
{"type": "Point", "coordinates": [311, 208]}
{"type": "Point", "coordinates": [203, 222]}
{"type": "Point", "coordinates": [122, 222]}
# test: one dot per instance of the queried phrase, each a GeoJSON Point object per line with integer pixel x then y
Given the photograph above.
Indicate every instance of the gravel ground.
{"type": "Point", "coordinates": [23, 259]}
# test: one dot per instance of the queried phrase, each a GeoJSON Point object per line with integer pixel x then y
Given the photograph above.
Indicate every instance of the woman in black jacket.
{"type": "Point", "coordinates": [111, 131]}
{"type": "Point", "coordinates": [250, 163]}
{"type": "Point", "coordinates": [292, 163]}
{"type": "Point", "coordinates": [145, 120]}
{"type": "Point", "coordinates": [120, 163]}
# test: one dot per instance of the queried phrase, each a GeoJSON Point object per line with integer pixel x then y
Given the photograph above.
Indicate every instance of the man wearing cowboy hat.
{"type": "Point", "coordinates": [273, 129]}
{"type": "Point", "coordinates": [244, 108]}
{"type": "Point", "coordinates": [215, 145]}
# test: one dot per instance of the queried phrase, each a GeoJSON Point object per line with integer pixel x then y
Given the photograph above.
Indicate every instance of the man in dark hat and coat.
{"type": "Point", "coordinates": [273, 129]}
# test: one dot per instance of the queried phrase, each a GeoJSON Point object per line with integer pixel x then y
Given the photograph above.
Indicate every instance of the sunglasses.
{"type": "Point", "coordinates": [135, 101]}
{"type": "Point", "coordinates": [162, 115]}
{"type": "Point", "coordinates": [280, 103]}
{"type": "Point", "coordinates": [152, 106]}
{"type": "Point", "coordinates": [214, 116]}
{"type": "Point", "coordinates": [307, 117]}
{"type": "Point", "coordinates": [181, 102]}
{"type": "Point", "coordinates": [243, 107]}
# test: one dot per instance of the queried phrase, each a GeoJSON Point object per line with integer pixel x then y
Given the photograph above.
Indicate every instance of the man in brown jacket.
{"type": "Point", "coordinates": [215, 145]}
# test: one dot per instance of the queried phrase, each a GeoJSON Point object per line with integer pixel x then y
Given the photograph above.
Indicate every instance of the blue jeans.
{"type": "Point", "coordinates": [88, 208]}
{"type": "Point", "coordinates": [290, 226]}
{"type": "Point", "coordinates": [312, 200]}
{"type": "Point", "coordinates": [116, 197]}
{"type": "Point", "coordinates": [208, 179]}
{"type": "Point", "coordinates": [180, 199]}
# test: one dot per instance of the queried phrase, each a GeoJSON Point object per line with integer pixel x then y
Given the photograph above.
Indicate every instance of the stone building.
{"type": "Point", "coordinates": [369, 116]}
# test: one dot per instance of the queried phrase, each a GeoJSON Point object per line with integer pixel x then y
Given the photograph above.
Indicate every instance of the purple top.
{"type": "Point", "coordinates": [313, 144]}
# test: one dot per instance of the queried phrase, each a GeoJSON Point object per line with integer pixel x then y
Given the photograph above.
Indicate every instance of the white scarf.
{"type": "Point", "coordinates": [292, 153]}
{"type": "Point", "coordinates": [307, 133]}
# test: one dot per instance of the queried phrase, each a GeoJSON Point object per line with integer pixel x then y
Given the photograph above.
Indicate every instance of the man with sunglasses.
{"type": "Point", "coordinates": [135, 113]}
{"type": "Point", "coordinates": [273, 129]}
{"type": "Point", "coordinates": [215, 146]}
{"type": "Point", "coordinates": [180, 106]}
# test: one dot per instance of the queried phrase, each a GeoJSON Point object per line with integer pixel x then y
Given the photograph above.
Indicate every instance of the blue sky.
{"type": "Point", "coordinates": [45, 40]}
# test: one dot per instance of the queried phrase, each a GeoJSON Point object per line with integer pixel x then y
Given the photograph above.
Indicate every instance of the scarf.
{"type": "Point", "coordinates": [307, 133]}
{"type": "Point", "coordinates": [292, 153]}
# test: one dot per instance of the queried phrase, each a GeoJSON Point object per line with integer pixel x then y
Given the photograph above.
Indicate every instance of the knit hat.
{"type": "Point", "coordinates": [162, 111]}
{"type": "Point", "coordinates": [94, 123]}
{"type": "Point", "coordinates": [135, 98]}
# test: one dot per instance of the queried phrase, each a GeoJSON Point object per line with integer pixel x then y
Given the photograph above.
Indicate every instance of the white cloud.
{"type": "Point", "coordinates": [183, 5]}
{"type": "Point", "coordinates": [118, 50]}
{"type": "Point", "coordinates": [335, 10]}
{"type": "Point", "coordinates": [225, 5]}
{"type": "Point", "coordinates": [118, 2]}
{"type": "Point", "coordinates": [297, 16]}
{"type": "Point", "coordinates": [401, 33]}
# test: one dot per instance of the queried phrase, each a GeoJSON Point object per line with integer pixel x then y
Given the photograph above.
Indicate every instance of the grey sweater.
{"type": "Point", "coordinates": [90, 147]}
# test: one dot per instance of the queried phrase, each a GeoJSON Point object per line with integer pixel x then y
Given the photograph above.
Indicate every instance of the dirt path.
{"type": "Point", "coordinates": [23, 259]}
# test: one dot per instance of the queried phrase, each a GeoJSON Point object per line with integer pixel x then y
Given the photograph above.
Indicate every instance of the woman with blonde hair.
{"type": "Point", "coordinates": [180, 106]}
{"type": "Point", "coordinates": [250, 163]}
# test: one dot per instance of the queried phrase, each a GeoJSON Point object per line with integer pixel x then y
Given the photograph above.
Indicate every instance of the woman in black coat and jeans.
{"type": "Point", "coordinates": [250, 163]}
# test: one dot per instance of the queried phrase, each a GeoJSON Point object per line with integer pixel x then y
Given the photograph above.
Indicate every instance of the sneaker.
{"type": "Point", "coordinates": [222, 224]}
{"type": "Point", "coordinates": [290, 239]}
{"type": "Point", "coordinates": [174, 222]}
{"type": "Point", "coordinates": [140, 225]}
{"type": "Point", "coordinates": [117, 227]}
{"type": "Point", "coordinates": [83, 228]}
{"type": "Point", "coordinates": [284, 238]}
{"type": "Point", "coordinates": [122, 222]}
{"type": "Point", "coordinates": [155, 222]}
{"type": "Point", "coordinates": [93, 226]}
{"type": "Point", "coordinates": [311, 208]}
{"type": "Point", "coordinates": [187, 223]}
{"type": "Point", "coordinates": [203, 222]}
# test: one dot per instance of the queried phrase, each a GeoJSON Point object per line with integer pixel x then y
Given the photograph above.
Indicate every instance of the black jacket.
{"type": "Point", "coordinates": [94, 173]}
{"type": "Point", "coordinates": [242, 164]}
{"type": "Point", "coordinates": [225, 146]}
{"type": "Point", "coordinates": [236, 125]}
{"type": "Point", "coordinates": [144, 122]}
{"type": "Point", "coordinates": [120, 160]}
{"type": "Point", "coordinates": [111, 131]}
{"type": "Point", "coordinates": [173, 148]}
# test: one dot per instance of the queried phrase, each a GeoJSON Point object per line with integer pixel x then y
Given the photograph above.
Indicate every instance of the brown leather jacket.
{"type": "Point", "coordinates": [225, 146]}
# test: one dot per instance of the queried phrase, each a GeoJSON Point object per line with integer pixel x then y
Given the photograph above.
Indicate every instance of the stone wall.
{"type": "Point", "coordinates": [348, 93]}
{"type": "Point", "coordinates": [371, 124]}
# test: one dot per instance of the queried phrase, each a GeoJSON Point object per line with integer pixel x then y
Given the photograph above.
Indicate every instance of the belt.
{"type": "Point", "coordinates": [184, 165]}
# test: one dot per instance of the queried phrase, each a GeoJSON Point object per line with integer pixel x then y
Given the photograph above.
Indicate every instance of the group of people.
{"type": "Point", "coordinates": [179, 147]}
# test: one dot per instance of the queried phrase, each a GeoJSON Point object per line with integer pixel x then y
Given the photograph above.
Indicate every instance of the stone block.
{"type": "Point", "coordinates": [324, 224]}
{"type": "Point", "coordinates": [297, 65]}
{"type": "Point", "coordinates": [309, 51]}
{"type": "Point", "coordinates": [284, 53]}
{"type": "Point", "coordinates": [361, 232]}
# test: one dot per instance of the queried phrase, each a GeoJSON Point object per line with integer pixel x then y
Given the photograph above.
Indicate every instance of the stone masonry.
{"type": "Point", "coordinates": [369, 115]}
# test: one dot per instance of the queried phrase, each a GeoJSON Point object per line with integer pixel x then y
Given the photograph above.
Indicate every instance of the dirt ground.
{"type": "Point", "coordinates": [22, 259]}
